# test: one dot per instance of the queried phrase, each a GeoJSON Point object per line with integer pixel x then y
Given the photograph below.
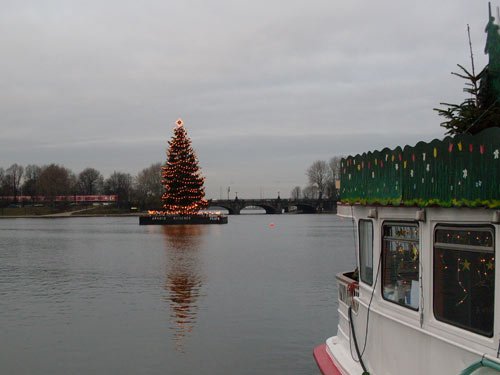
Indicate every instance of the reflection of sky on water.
{"type": "Point", "coordinates": [184, 279]}
{"type": "Point", "coordinates": [112, 291]}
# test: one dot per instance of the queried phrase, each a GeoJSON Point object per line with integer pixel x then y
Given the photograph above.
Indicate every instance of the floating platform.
{"type": "Point", "coordinates": [181, 219]}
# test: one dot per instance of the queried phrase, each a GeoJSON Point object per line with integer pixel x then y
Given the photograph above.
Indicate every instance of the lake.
{"type": "Point", "coordinates": [107, 296]}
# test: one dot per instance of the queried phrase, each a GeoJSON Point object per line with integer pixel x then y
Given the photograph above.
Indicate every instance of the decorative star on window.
{"type": "Point", "coordinates": [464, 172]}
{"type": "Point", "coordinates": [414, 253]}
{"type": "Point", "coordinates": [466, 265]}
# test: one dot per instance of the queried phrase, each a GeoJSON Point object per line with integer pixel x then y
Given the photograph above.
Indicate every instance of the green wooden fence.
{"type": "Point", "coordinates": [457, 171]}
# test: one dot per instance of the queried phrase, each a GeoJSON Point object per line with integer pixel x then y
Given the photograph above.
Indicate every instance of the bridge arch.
{"type": "Point", "coordinates": [267, 208]}
{"type": "Point", "coordinates": [305, 208]}
{"type": "Point", "coordinates": [227, 207]}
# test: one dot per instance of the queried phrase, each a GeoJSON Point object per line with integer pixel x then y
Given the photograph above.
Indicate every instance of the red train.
{"type": "Point", "coordinates": [62, 198]}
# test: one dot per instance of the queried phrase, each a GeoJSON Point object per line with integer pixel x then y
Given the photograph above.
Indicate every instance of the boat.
{"type": "Point", "coordinates": [425, 296]}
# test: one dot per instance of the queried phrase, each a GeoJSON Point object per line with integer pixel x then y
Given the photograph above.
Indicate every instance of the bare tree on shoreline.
{"type": "Point", "coordinates": [317, 174]}
{"type": "Point", "coordinates": [13, 176]}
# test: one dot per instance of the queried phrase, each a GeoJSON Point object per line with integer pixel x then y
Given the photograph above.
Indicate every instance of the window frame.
{"type": "Point", "coordinates": [472, 249]}
{"type": "Point", "coordinates": [361, 273]}
{"type": "Point", "coordinates": [408, 223]}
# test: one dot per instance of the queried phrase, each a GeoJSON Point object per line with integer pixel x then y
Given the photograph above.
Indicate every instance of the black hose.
{"type": "Point", "coordinates": [365, 372]}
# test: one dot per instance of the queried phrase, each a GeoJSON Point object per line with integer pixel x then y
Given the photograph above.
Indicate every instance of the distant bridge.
{"type": "Point", "coordinates": [276, 206]}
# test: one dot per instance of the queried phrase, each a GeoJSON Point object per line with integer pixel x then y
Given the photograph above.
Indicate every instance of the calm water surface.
{"type": "Point", "coordinates": [107, 296]}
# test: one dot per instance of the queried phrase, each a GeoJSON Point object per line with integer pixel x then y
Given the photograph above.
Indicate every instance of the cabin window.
{"type": "Point", "coordinates": [464, 277]}
{"type": "Point", "coordinates": [366, 251]}
{"type": "Point", "coordinates": [400, 272]}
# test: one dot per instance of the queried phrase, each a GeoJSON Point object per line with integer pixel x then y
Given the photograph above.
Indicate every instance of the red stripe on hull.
{"type": "Point", "coordinates": [324, 361]}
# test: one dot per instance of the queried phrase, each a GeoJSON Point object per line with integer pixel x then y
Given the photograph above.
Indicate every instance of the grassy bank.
{"type": "Point", "coordinates": [30, 211]}
{"type": "Point", "coordinates": [104, 211]}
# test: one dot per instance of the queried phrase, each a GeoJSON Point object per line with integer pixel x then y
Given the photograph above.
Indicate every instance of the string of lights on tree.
{"type": "Point", "coordinates": [181, 177]}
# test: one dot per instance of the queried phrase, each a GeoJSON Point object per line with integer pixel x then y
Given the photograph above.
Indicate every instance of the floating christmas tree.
{"type": "Point", "coordinates": [182, 179]}
{"type": "Point", "coordinates": [184, 195]}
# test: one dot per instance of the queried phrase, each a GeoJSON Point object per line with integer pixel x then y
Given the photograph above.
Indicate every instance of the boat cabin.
{"type": "Point", "coordinates": [424, 298]}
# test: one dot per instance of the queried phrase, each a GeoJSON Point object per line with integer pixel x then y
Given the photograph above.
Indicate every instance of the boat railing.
{"type": "Point", "coordinates": [348, 288]}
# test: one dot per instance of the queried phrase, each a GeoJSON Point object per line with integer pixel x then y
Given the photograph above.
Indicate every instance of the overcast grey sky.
{"type": "Point", "coordinates": [265, 87]}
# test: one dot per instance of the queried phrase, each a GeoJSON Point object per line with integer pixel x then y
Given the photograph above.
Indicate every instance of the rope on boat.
{"type": "Point", "coordinates": [365, 372]}
{"type": "Point", "coordinates": [484, 362]}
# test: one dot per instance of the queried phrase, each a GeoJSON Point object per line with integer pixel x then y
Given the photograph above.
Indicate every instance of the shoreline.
{"type": "Point", "coordinates": [133, 214]}
{"type": "Point", "coordinates": [65, 216]}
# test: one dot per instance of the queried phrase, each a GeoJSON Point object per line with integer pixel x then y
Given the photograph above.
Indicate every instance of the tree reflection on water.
{"type": "Point", "coordinates": [184, 277]}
